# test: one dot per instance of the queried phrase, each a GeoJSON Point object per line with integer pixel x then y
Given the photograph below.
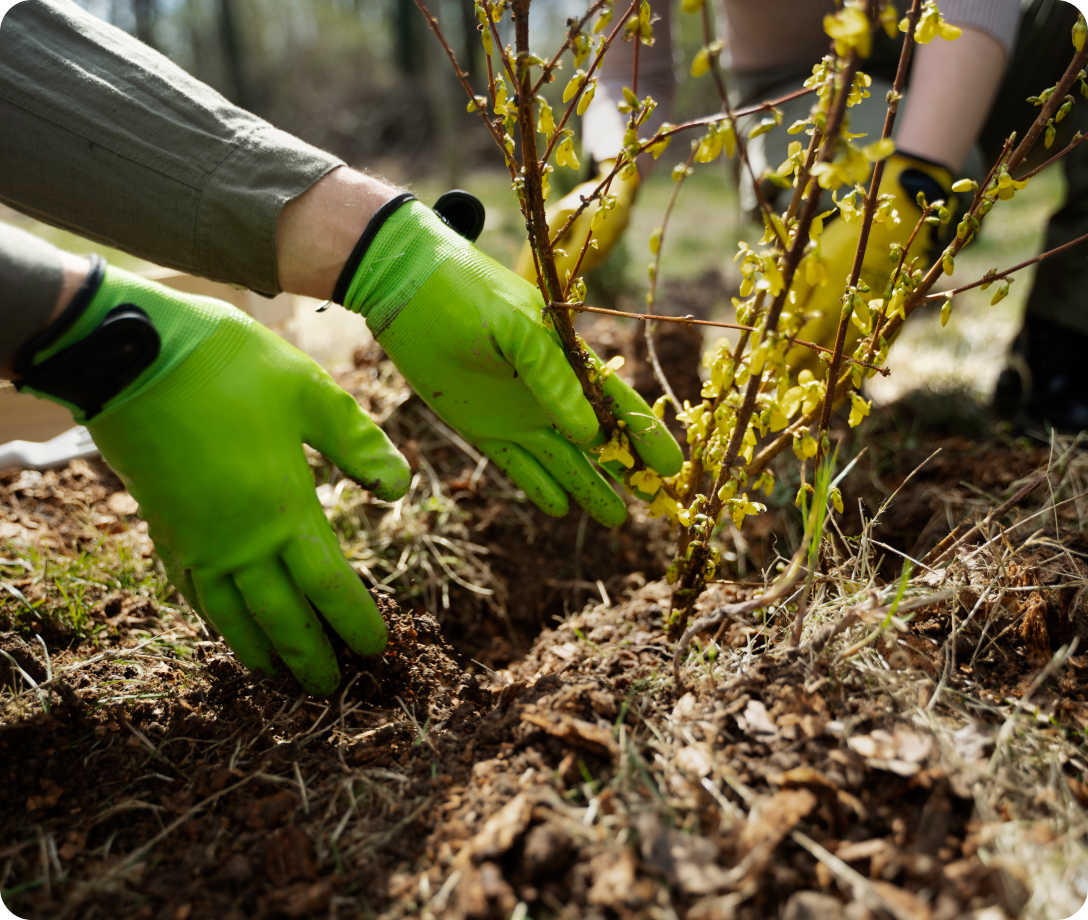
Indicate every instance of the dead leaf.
{"type": "Point", "coordinates": [974, 742]}
{"type": "Point", "coordinates": [906, 901]}
{"type": "Point", "coordinates": [688, 861]}
{"type": "Point", "coordinates": [52, 793]}
{"type": "Point", "coordinates": [289, 857]}
{"type": "Point", "coordinates": [684, 708]}
{"type": "Point", "coordinates": [574, 731]}
{"type": "Point", "coordinates": [695, 760]}
{"type": "Point", "coordinates": [122, 503]}
{"type": "Point", "coordinates": [808, 778]}
{"type": "Point", "coordinates": [813, 905]}
{"type": "Point", "coordinates": [863, 849]}
{"type": "Point", "coordinates": [773, 818]}
{"type": "Point", "coordinates": [503, 828]}
{"type": "Point", "coordinates": [901, 752]}
{"type": "Point", "coordinates": [756, 720]}
{"type": "Point", "coordinates": [613, 878]}
{"type": "Point", "coordinates": [302, 898]}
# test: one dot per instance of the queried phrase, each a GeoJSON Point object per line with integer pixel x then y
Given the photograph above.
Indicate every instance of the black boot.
{"type": "Point", "coordinates": [1047, 380]}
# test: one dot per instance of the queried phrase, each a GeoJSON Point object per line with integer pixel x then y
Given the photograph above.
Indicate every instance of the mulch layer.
{"type": "Point", "coordinates": [935, 772]}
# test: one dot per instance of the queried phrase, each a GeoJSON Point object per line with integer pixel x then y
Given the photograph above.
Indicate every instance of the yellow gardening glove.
{"type": "Point", "coordinates": [821, 278]}
{"type": "Point", "coordinates": [608, 230]}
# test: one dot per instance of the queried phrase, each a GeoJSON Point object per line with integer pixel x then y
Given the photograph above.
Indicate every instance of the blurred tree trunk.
{"type": "Point", "coordinates": [144, 12]}
{"type": "Point", "coordinates": [470, 57]}
{"type": "Point", "coordinates": [233, 58]}
{"type": "Point", "coordinates": [409, 37]}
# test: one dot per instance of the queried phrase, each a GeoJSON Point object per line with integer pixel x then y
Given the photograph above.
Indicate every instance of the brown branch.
{"type": "Point", "coordinates": [537, 223]}
{"type": "Point", "coordinates": [870, 208]}
{"type": "Point", "coordinates": [649, 326]}
{"type": "Point", "coordinates": [1050, 108]}
{"type": "Point", "coordinates": [571, 32]}
{"type": "Point", "coordinates": [903, 259]}
{"type": "Point", "coordinates": [963, 533]}
{"type": "Point", "coordinates": [921, 293]}
{"type": "Point", "coordinates": [461, 75]}
{"type": "Point", "coordinates": [1078, 139]}
{"type": "Point", "coordinates": [803, 175]}
{"type": "Point", "coordinates": [781, 587]}
{"type": "Point", "coordinates": [692, 321]}
{"type": "Point", "coordinates": [662, 135]}
{"type": "Point", "coordinates": [691, 582]}
{"type": "Point", "coordinates": [1016, 158]}
{"type": "Point", "coordinates": [497, 42]}
{"type": "Point", "coordinates": [997, 276]}
{"type": "Point", "coordinates": [708, 39]}
{"type": "Point", "coordinates": [597, 58]}
{"type": "Point", "coordinates": [586, 242]}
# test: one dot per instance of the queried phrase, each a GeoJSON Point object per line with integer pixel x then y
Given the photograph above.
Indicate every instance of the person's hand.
{"type": "Point", "coordinates": [467, 335]}
{"type": "Point", "coordinates": [609, 226]}
{"type": "Point", "coordinates": [203, 413]}
{"type": "Point", "coordinates": [819, 296]}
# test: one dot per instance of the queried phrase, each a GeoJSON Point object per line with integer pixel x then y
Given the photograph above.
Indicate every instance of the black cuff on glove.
{"type": "Point", "coordinates": [356, 258]}
{"type": "Point", "coordinates": [90, 372]}
{"type": "Point", "coordinates": [461, 211]}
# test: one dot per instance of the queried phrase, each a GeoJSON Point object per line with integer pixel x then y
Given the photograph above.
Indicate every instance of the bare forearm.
{"type": "Point", "coordinates": [952, 87]}
{"type": "Point", "coordinates": [317, 231]}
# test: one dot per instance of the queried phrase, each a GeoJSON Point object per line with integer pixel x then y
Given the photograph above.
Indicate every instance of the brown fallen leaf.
{"type": "Point", "coordinates": [863, 849]}
{"type": "Point", "coordinates": [901, 752]}
{"type": "Point", "coordinates": [695, 760]}
{"type": "Point", "coordinates": [756, 720]}
{"type": "Point", "coordinates": [772, 818]}
{"type": "Point", "coordinates": [122, 503]}
{"type": "Point", "coordinates": [807, 778]}
{"type": "Point", "coordinates": [302, 898]}
{"type": "Point", "coordinates": [688, 861]}
{"type": "Point", "coordinates": [613, 878]}
{"type": "Point", "coordinates": [503, 828]}
{"type": "Point", "coordinates": [572, 730]}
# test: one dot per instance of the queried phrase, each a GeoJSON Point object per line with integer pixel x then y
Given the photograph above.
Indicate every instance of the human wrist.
{"type": "Point", "coordinates": [316, 232]}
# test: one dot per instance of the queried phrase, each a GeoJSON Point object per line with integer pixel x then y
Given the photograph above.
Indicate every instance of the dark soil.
{"type": "Point", "coordinates": [569, 774]}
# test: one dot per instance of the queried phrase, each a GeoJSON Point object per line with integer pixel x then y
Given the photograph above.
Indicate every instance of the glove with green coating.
{"type": "Point", "coordinates": [203, 413]}
{"type": "Point", "coordinates": [467, 335]}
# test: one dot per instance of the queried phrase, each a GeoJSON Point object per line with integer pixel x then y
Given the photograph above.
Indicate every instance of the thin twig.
{"type": "Point", "coordinates": [598, 57]}
{"type": "Point", "coordinates": [692, 321]}
{"type": "Point", "coordinates": [651, 298]}
{"type": "Point", "coordinates": [869, 211]}
{"type": "Point", "coordinates": [997, 276]}
{"type": "Point", "coordinates": [576, 29]}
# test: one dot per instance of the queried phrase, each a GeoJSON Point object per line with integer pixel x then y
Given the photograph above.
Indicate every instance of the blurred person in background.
{"type": "Point", "coordinates": [963, 99]}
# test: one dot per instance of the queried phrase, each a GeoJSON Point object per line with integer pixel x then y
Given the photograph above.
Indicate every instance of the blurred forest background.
{"type": "Point", "coordinates": [363, 79]}
{"type": "Point", "coordinates": [367, 81]}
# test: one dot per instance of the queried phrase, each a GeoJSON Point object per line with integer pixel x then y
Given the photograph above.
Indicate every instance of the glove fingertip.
{"type": "Point", "coordinates": [577, 422]}
{"type": "Point", "coordinates": [611, 514]}
{"type": "Point", "coordinates": [660, 452]}
{"type": "Point", "coordinates": [389, 480]}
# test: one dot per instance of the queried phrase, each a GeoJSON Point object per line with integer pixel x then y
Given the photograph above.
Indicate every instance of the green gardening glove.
{"type": "Point", "coordinates": [467, 335]}
{"type": "Point", "coordinates": [203, 413]}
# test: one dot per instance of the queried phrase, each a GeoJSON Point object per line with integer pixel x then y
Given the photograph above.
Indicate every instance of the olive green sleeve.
{"type": "Point", "coordinates": [31, 275]}
{"type": "Point", "coordinates": [107, 138]}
